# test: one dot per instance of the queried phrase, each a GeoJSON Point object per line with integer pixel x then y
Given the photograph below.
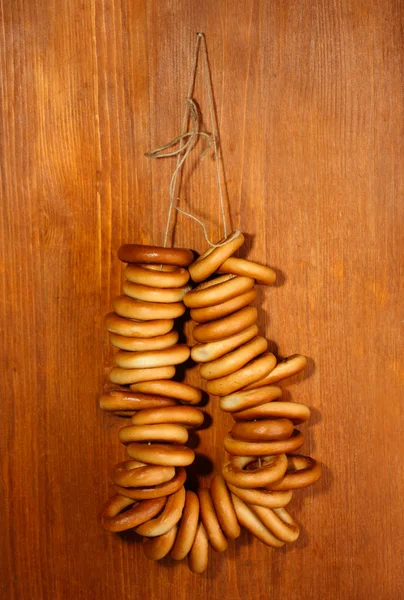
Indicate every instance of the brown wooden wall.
{"type": "Point", "coordinates": [309, 97]}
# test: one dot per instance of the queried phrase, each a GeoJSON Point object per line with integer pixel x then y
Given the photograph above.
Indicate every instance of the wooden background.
{"type": "Point", "coordinates": [309, 98]}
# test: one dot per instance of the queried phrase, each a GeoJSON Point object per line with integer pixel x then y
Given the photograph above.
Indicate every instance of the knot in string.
{"type": "Point", "coordinates": [186, 142]}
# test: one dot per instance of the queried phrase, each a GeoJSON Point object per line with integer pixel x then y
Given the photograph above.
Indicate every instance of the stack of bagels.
{"type": "Point", "coordinates": [258, 480]}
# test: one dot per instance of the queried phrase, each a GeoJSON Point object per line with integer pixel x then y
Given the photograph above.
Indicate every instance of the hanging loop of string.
{"type": "Point", "coordinates": [186, 142]}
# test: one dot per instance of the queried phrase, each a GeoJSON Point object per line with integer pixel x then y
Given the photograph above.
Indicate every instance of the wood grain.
{"type": "Point", "coordinates": [309, 99]}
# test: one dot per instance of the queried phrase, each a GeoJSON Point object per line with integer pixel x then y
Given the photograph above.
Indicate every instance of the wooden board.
{"type": "Point", "coordinates": [309, 98]}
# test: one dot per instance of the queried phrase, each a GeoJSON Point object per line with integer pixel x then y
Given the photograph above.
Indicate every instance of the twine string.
{"type": "Point", "coordinates": [186, 142]}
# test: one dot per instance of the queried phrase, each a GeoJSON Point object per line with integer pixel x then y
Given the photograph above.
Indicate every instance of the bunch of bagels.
{"type": "Point", "coordinates": [262, 471]}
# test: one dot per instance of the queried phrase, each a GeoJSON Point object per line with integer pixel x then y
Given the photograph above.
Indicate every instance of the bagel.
{"type": "Point", "coordinates": [173, 389]}
{"type": "Point", "coordinates": [271, 469]}
{"type": "Point", "coordinates": [262, 431]}
{"type": "Point", "coordinates": [133, 473]}
{"type": "Point", "coordinates": [157, 491]}
{"type": "Point", "coordinates": [153, 433]}
{"type": "Point", "coordinates": [129, 402]}
{"type": "Point", "coordinates": [187, 416]}
{"type": "Point", "coordinates": [286, 368]}
{"type": "Point", "coordinates": [228, 326]}
{"type": "Point", "coordinates": [251, 372]}
{"type": "Point", "coordinates": [210, 261]}
{"type": "Point", "coordinates": [218, 290]}
{"type": "Point", "coordinates": [295, 411]}
{"type": "Point", "coordinates": [278, 521]}
{"type": "Point", "coordinates": [158, 547]}
{"type": "Point", "coordinates": [245, 399]}
{"type": "Point", "coordinates": [234, 360]}
{"type": "Point", "coordinates": [125, 376]}
{"type": "Point", "coordinates": [113, 519]}
{"type": "Point", "coordinates": [210, 521]}
{"type": "Point", "coordinates": [169, 517]}
{"type": "Point", "coordinates": [142, 329]}
{"type": "Point", "coordinates": [224, 508]}
{"type": "Point", "coordinates": [127, 307]}
{"type": "Point", "coordinates": [198, 557]}
{"type": "Point", "coordinates": [239, 266]}
{"type": "Point", "coordinates": [159, 342]}
{"type": "Point", "coordinates": [152, 358]}
{"type": "Point", "coordinates": [302, 471]}
{"type": "Point", "coordinates": [166, 455]}
{"type": "Point", "coordinates": [187, 528]}
{"type": "Point", "coordinates": [262, 497]}
{"type": "Point", "coordinates": [241, 448]}
{"type": "Point", "coordinates": [210, 351]}
{"type": "Point", "coordinates": [218, 311]}
{"type": "Point", "coordinates": [165, 276]}
{"type": "Point", "coordinates": [138, 253]}
{"type": "Point", "coordinates": [248, 519]}
{"type": "Point", "coordinates": [153, 294]}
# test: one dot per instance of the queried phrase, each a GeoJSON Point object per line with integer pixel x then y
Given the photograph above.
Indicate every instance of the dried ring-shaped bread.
{"type": "Point", "coordinates": [133, 473]}
{"type": "Point", "coordinates": [173, 389]}
{"type": "Point", "coordinates": [218, 290]}
{"type": "Point", "coordinates": [239, 266]}
{"type": "Point", "coordinates": [113, 519]}
{"type": "Point", "coordinates": [262, 497]}
{"type": "Point", "coordinates": [286, 368]}
{"type": "Point", "coordinates": [153, 433]}
{"type": "Point", "coordinates": [302, 471]}
{"type": "Point", "coordinates": [158, 547]}
{"type": "Point", "coordinates": [295, 411]}
{"type": "Point", "coordinates": [224, 507]}
{"type": "Point", "coordinates": [253, 523]}
{"type": "Point", "coordinates": [187, 528]}
{"type": "Point", "coordinates": [137, 329]}
{"type": "Point", "coordinates": [251, 372]}
{"type": "Point", "coordinates": [260, 431]}
{"type": "Point", "coordinates": [163, 276]}
{"type": "Point", "coordinates": [187, 416]}
{"type": "Point", "coordinates": [218, 311]}
{"type": "Point", "coordinates": [234, 360]}
{"type": "Point", "coordinates": [152, 358]}
{"type": "Point", "coordinates": [212, 350]}
{"type": "Point", "coordinates": [241, 448]}
{"type": "Point", "coordinates": [125, 376]}
{"type": "Point", "coordinates": [278, 521]}
{"type": "Point", "coordinates": [210, 521]}
{"type": "Point", "coordinates": [127, 307]}
{"type": "Point", "coordinates": [138, 253]}
{"type": "Point", "coordinates": [243, 400]}
{"type": "Point", "coordinates": [129, 402]}
{"type": "Point", "coordinates": [153, 294]}
{"type": "Point", "coordinates": [272, 469]}
{"type": "Point", "coordinates": [144, 344]}
{"type": "Point", "coordinates": [166, 455]}
{"type": "Point", "coordinates": [167, 519]}
{"type": "Point", "coordinates": [210, 261]}
{"type": "Point", "coordinates": [223, 328]}
{"type": "Point", "coordinates": [198, 557]}
{"type": "Point", "coordinates": [156, 491]}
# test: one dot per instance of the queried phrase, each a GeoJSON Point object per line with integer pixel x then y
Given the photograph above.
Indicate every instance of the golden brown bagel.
{"type": "Point", "coordinates": [210, 261]}
{"type": "Point", "coordinates": [239, 266]}
{"type": "Point", "coordinates": [187, 528]}
{"type": "Point", "coordinates": [138, 253]}
{"type": "Point", "coordinates": [137, 329]}
{"type": "Point", "coordinates": [163, 276]}
{"type": "Point", "coordinates": [272, 469]}
{"type": "Point", "coordinates": [224, 507]}
{"type": "Point", "coordinates": [218, 311]}
{"type": "Point", "coordinates": [210, 521]}
{"type": "Point", "coordinates": [113, 519]}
